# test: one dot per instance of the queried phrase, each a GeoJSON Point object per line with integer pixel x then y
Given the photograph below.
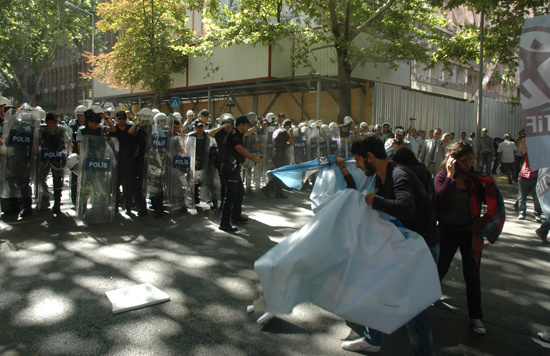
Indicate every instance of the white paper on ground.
{"type": "Point", "coordinates": [135, 297]}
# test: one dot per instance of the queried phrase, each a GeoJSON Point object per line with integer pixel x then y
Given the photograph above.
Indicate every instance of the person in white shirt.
{"type": "Point", "coordinates": [411, 137]}
{"type": "Point", "coordinates": [507, 151]}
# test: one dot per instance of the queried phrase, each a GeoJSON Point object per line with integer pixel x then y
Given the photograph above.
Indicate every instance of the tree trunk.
{"type": "Point", "coordinates": [344, 86]}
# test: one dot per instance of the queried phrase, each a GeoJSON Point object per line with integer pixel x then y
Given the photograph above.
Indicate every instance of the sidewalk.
{"type": "Point", "coordinates": [54, 273]}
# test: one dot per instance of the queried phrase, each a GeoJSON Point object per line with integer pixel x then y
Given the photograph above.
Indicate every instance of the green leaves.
{"type": "Point", "coordinates": [153, 39]}
{"type": "Point", "coordinates": [32, 33]}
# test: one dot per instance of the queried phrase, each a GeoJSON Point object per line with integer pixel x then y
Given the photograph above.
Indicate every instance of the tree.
{"type": "Point", "coordinates": [32, 33]}
{"type": "Point", "coordinates": [359, 31]}
{"type": "Point", "coordinates": [504, 21]}
{"type": "Point", "coordinates": [151, 35]}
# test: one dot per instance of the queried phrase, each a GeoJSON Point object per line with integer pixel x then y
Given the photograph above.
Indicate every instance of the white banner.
{"type": "Point", "coordinates": [534, 67]}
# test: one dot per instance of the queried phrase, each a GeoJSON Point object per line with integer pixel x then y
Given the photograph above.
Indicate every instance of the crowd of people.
{"type": "Point", "coordinates": [427, 179]}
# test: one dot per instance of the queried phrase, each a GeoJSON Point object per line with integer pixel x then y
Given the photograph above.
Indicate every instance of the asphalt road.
{"type": "Point", "coordinates": [54, 275]}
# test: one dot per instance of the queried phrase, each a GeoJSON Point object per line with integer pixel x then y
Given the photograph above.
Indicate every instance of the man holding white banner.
{"type": "Point", "coordinates": [399, 194]}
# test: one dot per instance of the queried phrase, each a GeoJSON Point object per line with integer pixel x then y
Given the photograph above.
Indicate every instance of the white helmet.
{"type": "Point", "coordinates": [252, 116]}
{"type": "Point", "coordinates": [371, 128]}
{"type": "Point", "coordinates": [271, 117]}
{"type": "Point", "coordinates": [155, 111]}
{"type": "Point", "coordinates": [348, 120]}
{"type": "Point", "coordinates": [177, 115]}
{"type": "Point", "coordinates": [25, 107]}
{"type": "Point", "coordinates": [97, 109]}
{"type": "Point", "coordinates": [79, 110]}
{"type": "Point", "coordinates": [324, 128]}
{"type": "Point", "coordinates": [190, 113]}
{"type": "Point", "coordinates": [41, 112]}
{"type": "Point", "coordinates": [333, 125]}
{"type": "Point", "coordinates": [318, 123]}
{"type": "Point", "coordinates": [145, 114]}
{"type": "Point", "coordinates": [109, 109]}
{"type": "Point", "coordinates": [160, 118]}
{"type": "Point", "coordinates": [303, 130]}
{"type": "Point", "coordinates": [4, 101]}
{"type": "Point", "coordinates": [312, 124]}
{"type": "Point", "coordinates": [72, 160]}
{"type": "Point", "coordinates": [364, 126]}
{"type": "Point", "coordinates": [227, 116]}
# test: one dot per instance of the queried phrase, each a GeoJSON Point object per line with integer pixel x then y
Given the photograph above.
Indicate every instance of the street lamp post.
{"type": "Point", "coordinates": [93, 27]}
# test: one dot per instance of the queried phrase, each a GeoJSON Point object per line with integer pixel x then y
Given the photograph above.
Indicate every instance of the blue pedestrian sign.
{"type": "Point", "coordinates": [174, 102]}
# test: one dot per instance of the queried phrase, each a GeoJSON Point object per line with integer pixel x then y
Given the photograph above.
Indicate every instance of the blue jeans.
{"type": "Point", "coordinates": [485, 163]}
{"type": "Point", "coordinates": [526, 186]}
{"type": "Point", "coordinates": [420, 334]}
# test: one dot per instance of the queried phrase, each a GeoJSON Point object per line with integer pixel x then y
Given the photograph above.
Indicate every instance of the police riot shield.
{"type": "Point", "coordinates": [301, 145]}
{"type": "Point", "coordinates": [344, 147]}
{"type": "Point", "coordinates": [255, 174]}
{"type": "Point", "coordinates": [269, 148]}
{"type": "Point", "coordinates": [313, 146]}
{"type": "Point", "coordinates": [97, 179]}
{"type": "Point", "coordinates": [334, 137]}
{"type": "Point", "coordinates": [18, 155]}
{"type": "Point", "coordinates": [180, 181]}
{"type": "Point", "coordinates": [157, 161]}
{"type": "Point", "coordinates": [208, 180]}
{"type": "Point", "coordinates": [52, 158]}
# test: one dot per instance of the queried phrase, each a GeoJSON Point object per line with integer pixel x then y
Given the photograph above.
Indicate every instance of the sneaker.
{"type": "Point", "coordinates": [538, 219]}
{"type": "Point", "coordinates": [477, 326]}
{"type": "Point", "coordinates": [544, 335]}
{"type": "Point", "coordinates": [360, 345]}
{"type": "Point", "coordinates": [521, 217]}
{"type": "Point", "coordinates": [543, 236]}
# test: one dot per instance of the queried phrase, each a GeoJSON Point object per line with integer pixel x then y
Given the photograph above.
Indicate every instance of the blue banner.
{"type": "Point", "coordinates": [98, 164]}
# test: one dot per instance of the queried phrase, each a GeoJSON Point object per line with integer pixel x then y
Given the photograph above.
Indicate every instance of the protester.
{"type": "Point", "coordinates": [527, 184]}
{"type": "Point", "coordinates": [432, 152]}
{"type": "Point", "coordinates": [400, 194]}
{"type": "Point", "coordinates": [486, 153]}
{"type": "Point", "coordinates": [507, 152]}
{"type": "Point", "coordinates": [459, 194]}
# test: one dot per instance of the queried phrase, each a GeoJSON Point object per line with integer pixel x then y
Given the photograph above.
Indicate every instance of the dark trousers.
{"type": "Point", "coordinates": [74, 187]}
{"type": "Point", "coordinates": [234, 192]}
{"type": "Point", "coordinates": [126, 177]}
{"type": "Point", "coordinates": [460, 237]}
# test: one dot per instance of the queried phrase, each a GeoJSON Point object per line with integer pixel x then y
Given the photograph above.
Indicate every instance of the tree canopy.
{"type": "Point", "coordinates": [359, 31]}
{"type": "Point", "coordinates": [504, 21]}
{"type": "Point", "coordinates": [150, 38]}
{"type": "Point", "coordinates": [32, 33]}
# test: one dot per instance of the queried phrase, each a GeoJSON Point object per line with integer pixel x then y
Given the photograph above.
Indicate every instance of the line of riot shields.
{"type": "Point", "coordinates": [166, 170]}
{"type": "Point", "coordinates": [310, 142]}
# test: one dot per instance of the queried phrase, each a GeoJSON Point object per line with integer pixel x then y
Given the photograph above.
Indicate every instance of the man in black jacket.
{"type": "Point", "coordinates": [234, 155]}
{"type": "Point", "coordinates": [400, 194]}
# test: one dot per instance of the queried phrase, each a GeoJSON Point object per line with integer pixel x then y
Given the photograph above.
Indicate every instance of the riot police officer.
{"type": "Point", "coordinates": [53, 141]}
